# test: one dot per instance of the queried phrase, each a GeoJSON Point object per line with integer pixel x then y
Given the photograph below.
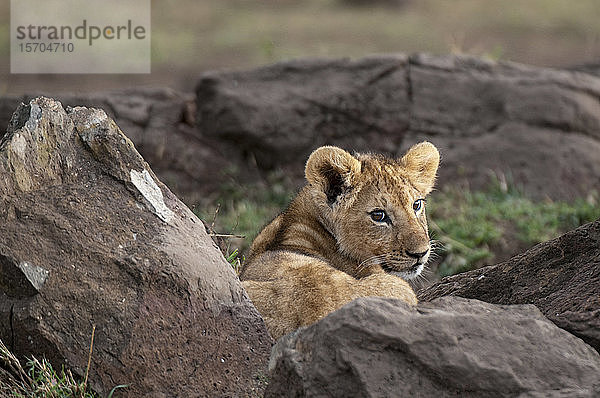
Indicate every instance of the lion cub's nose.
{"type": "Point", "coordinates": [417, 255]}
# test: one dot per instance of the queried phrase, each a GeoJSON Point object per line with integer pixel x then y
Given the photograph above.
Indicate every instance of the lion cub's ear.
{"type": "Point", "coordinates": [422, 161]}
{"type": "Point", "coordinates": [332, 169]}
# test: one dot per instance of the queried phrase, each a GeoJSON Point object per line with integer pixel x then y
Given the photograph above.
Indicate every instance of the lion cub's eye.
{"type": "Point", "coordinates": [379, 216]}
{"type": "Point", "coordinates": [418, 205]}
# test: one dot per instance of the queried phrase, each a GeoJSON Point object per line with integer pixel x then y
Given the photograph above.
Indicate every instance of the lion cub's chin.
{"type": "Point", "coordinates": [410, 273]}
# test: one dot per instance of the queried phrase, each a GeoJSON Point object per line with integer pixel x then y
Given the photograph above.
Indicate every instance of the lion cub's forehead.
{"type": "Point", "coordinates": [389, 177]}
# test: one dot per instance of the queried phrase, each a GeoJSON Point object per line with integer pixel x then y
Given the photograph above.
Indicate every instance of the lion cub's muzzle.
{"type": "Point", "coordinates": [407, 266]}
{"type": "Point", "coordinates": [420, 257]}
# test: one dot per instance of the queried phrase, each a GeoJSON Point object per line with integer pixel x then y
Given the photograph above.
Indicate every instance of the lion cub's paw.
{"type": "Point", "coordinates": [386, 285]}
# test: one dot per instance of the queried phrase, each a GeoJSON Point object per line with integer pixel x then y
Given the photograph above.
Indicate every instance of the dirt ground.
{"type": "Point", "coordinates": [189, 37]}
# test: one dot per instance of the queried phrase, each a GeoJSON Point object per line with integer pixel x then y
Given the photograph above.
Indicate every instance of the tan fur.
{"type": "Point", "coordinates": [326, 249]}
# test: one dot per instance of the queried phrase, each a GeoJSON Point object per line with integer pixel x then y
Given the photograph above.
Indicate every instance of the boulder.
{"type": "Point", "coordinates": [277, 114]}
{"type": "Point", "coordinates": [561, 277]}
{"type": "Point", "coordinates": [377, 347]}
{"type": "Point", "coordinates": [160, 122]}
{"type": "Point", "coordinates": [91, 238]}
{"type": "Point", "coordinates": [539, 127]}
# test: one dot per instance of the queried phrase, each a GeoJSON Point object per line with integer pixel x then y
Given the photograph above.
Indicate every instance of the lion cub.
{"type": "Point", "coordinates": [355, 230]}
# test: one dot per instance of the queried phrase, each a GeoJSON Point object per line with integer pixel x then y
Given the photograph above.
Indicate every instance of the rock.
{"type": "Point", "coordinates": [537, 127]}
{"type": "Point", "coordinates": [593, 68]}
{"type": "Point", "coordinates": [378, 347]}
{"type": "Point", "coordinates": [90, 237]}
{"type": "Point", "coordinates": [561, 277]}
{"type": "Point", "coordinates": [20, 279]}
{"type": "Point", "coordinates": [160, 122]}
{"type": "Point", "coordinates": [278, 114]}
{"type": "Point", "coordinates": [540, 127]}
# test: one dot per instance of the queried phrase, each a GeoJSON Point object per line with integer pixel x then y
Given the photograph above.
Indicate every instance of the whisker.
{"type": "Point", "coordinates": [370, 261]}
{"type": "Point", "coordinates": [434, 256]}
{"type": "Point", "coordinates": [419, 281]}
{"type": "Point", "coordinates": [395, 260]}
{"type": "Point", "coordinates": [437, 244]}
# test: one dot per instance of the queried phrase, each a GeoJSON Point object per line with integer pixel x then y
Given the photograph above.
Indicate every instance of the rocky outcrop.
{"type": "Point", "coordinates": [450, 347]}
{"type": "Point", "coordinates": [538, 126]}
{"type": "Point", "coordinates": [91, 238]}
{"type": "Point", "coordinates": [561, 277]}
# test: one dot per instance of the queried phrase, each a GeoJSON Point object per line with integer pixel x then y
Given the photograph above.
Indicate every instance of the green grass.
{"type": "Point", "coordinates": [240, 213]}
{"type": "Point", "coordinates": [470, 224]}
{"type": "Point", "coordinates": [473, 228]}
{"type": "Point", "coordinates": [38, 379]}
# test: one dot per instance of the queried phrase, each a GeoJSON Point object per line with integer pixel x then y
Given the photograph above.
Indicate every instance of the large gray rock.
{"type": "Point", "coordinates": [561, 277]}
{"type": "Point", "coordinates": [540, 127]}
{"type": "Point", "coordinates": [90, 237]}
{"type": "Point", "coordinates": [279, 113]}
{"type": "Point", "coordinates": [160, 122]}
{"type": "Point", "coordinates": [378, 347]}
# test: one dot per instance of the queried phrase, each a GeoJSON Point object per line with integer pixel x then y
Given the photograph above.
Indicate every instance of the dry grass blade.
{"type": "Point", "coordinates": [39, 379]}
{"type": "Point", "coordinates": [87, 370]}
{"type": "Point", "coordinates": [212, 225]}
{"type": "Point", "coordinates": [228, 236]}
{"type": "Point", "coordinates": [11, 366]}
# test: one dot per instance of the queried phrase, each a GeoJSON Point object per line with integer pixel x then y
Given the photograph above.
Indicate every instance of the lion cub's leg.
{"type": "Point", "coordinates": [303, 289]}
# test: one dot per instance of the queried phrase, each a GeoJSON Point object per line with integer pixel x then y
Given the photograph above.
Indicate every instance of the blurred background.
{"type": "Point", "coordinates": [190, 36]}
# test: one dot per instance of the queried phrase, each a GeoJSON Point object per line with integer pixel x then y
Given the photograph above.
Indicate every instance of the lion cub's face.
{"type": "Point", "coordinates": [375, 206]}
